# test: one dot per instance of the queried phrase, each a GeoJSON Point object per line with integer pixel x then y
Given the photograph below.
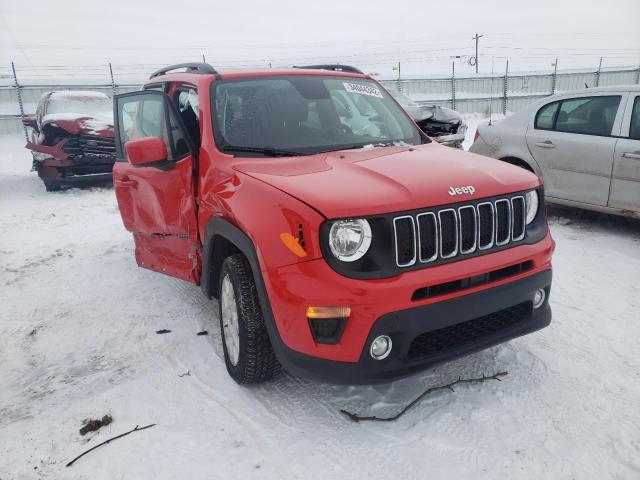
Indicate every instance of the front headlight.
{"type": "Point", "coordinates": [531, 200]}
{"type": "Point", "coordinates": [349, 240]}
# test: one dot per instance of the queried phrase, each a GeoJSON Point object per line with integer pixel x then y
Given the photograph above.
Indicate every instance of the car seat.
{"type": "Point", "coordinates": [597, 123]}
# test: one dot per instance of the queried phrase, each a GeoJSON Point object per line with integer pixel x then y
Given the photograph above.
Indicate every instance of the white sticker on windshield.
{"type": "Point", "coordinates": [362, 89]}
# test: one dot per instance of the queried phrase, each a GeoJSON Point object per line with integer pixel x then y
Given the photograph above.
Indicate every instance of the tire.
{"type": "Point", "coordinates": [248, 354]}
{"type": "Point", "coordinates": [50, 181]}
{"type": "Point", "coordinates": [52, 187]}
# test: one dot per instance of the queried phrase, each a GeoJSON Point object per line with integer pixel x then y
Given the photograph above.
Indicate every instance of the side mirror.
{"type": "Point", "coordinates": [30, 122]}
{"type": "Point", "coordinates": [146, 150]}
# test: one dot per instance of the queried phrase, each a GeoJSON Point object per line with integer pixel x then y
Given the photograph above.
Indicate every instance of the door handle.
{"type": "Point", "coordinates": [126, 183]}
{"type": "Point", "coordinates": [635, 155]}
{"type": "Point", "coordinates": [546, 144]}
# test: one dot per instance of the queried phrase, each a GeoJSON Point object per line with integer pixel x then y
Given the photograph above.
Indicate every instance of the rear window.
{"type": "Point", "coordinates": [546, 116]}
{"type": "Point", "coordinates": [584, 115]}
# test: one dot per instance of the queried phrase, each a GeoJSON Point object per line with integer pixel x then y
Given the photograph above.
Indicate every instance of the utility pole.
{"type": "Point", "coordinates": [398, 70]}
{"type": "Point", "coordinates": [477, 37]}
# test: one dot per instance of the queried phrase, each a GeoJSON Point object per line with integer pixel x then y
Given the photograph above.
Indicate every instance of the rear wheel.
{"type": "Point", "coordinates": [248, 354]}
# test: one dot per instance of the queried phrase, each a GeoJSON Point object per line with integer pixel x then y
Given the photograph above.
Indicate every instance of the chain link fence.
{"type": "Point", "coordinates": [479, 94]}
{"type": "Point", "coordinates": [506, 93]}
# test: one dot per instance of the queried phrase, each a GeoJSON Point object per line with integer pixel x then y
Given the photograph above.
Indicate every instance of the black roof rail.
{"type": "Point", "coordinates": [334, 68]}
{"type": "Point", "coordinates": [194, 67]}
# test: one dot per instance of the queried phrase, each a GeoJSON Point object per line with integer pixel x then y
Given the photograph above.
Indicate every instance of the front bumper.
{"type": "Point", "coordinates": [443, 320]}
{"type": "Point", "coordinates": [88, 171]}
{"type": "Point", "coordinates": [386, 305]}
{"type": "Point", "coordinates": [454, 140]}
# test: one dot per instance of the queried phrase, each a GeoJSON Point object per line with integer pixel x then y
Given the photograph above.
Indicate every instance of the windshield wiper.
{"type": "Point", "coordinates": [345, 147]}
{"type": "Point", "coordinates": [266, 151]}
{"type": "Point", "coordinates": [388, 143]}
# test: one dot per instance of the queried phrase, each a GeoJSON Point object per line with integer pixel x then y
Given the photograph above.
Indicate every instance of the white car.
{"type": "Point", "coordinates": [585, 145]}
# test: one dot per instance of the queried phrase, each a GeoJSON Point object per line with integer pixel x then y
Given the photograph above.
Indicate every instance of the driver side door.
{"type": "Point", "coordinates": [155, 186]}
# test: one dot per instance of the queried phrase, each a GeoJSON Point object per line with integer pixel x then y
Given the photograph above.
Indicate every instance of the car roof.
{"type": "Point", "coordinates": [611, 88]}
{"type": "Point", "coordinates": [74, 94]}
{"type": "Point", "coordinates": [237, 73]}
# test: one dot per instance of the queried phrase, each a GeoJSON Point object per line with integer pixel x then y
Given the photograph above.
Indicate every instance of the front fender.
{"type": "Point", "coordinates": [263, 213]}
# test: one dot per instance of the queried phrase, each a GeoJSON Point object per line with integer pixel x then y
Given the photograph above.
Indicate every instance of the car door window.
{"type": "Point", "coordinates": [148, 115]}
{"type": "Point", "coordinates": [588, 115]}
{"type": "Point", "coordinates": [634, 128]}
{"type": "Point", "coordinates": [186, 101]}
{"type": "Point", "coordinates": [546, 116]}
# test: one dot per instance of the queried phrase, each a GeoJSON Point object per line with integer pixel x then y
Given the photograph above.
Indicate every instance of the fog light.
{"type": "Point", "coordinates": [381, 347]}
{"type": "Point", "coordinates": [538, 298]}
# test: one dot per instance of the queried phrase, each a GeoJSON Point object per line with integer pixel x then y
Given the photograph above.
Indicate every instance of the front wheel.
{"type": "Point", "coordinates": [247, 350]}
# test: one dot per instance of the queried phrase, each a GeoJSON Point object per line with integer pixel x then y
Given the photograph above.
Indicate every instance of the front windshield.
{"type": "Point", "coordinates": [307, 114]}
{"type": "Point", "coordinates": [80, 103]}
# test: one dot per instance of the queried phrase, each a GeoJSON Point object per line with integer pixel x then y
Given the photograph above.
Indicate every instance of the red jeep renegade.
{"type": "Point", "coordinates": [341, 242]}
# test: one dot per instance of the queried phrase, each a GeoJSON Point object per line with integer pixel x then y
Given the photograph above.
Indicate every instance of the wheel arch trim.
{"type": "Point", "coordinates": [219, 227]}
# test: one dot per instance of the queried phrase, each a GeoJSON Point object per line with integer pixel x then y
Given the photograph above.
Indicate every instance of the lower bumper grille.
{"type": "Point", "coordinates": [438, 341]}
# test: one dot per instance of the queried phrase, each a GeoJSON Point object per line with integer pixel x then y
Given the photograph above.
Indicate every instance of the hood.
{"type": "Point", "coordinates": [77, 123]}
{"type": "Point", "coordinates": [391, 179]}
{"type": "Point", "coordinates": [437, 113]}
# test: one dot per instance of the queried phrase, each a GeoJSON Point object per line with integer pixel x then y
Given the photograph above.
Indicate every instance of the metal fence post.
{"type": "Point", "coordinates": [505, 96]}
{"type": "Point", "coordinates": [554, 77]}
{"type": "Point", "coordinates": [453, 85]}
{"type": "Point", "coordinates": [19, 92]}
{"type": "Point", "coordinates": [113, 83]}
{"type": "Point", "coordinates": [598, 73]}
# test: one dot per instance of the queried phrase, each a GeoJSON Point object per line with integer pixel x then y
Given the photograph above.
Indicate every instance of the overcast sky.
{"type": "Point", "coordinates": [67, 39]}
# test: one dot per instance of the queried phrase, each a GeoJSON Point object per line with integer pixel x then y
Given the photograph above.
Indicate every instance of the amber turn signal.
{"type": "Point", "coordinates": [292, 244]}
{"type": "Point", "coordinates": [328, 312]}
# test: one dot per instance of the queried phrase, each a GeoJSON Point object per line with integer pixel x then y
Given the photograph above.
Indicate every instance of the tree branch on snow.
{"type": "Point", "coordinates": [107, 441]}
{"type": "Point", "coordinates": [356, 418]}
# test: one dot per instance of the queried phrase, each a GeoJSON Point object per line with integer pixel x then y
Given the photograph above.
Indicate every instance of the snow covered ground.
{"type": "Point", "coordinates": [77, 340]}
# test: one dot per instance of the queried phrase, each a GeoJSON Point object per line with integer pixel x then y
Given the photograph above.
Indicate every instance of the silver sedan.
{"type": "Point", "coordinates": [585, 145]}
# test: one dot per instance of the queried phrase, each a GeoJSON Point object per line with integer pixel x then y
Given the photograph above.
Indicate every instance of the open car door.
{"type": "Point", "coordinates": [154, 183]}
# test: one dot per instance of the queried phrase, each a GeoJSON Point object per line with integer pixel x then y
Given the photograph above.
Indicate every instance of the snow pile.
{"type": "Point", "coordinates": [77, 340]}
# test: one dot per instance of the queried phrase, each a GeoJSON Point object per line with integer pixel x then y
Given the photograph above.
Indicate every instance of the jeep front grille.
{"type": "Point", "coordinates": [445, 233]}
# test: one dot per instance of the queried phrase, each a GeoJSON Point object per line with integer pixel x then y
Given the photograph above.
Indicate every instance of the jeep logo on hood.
{"type": "Point", "coordinates": [469, 190]}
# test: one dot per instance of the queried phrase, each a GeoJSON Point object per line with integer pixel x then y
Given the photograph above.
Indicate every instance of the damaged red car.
{"type": "Point", "coordinates": [72, 139]}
